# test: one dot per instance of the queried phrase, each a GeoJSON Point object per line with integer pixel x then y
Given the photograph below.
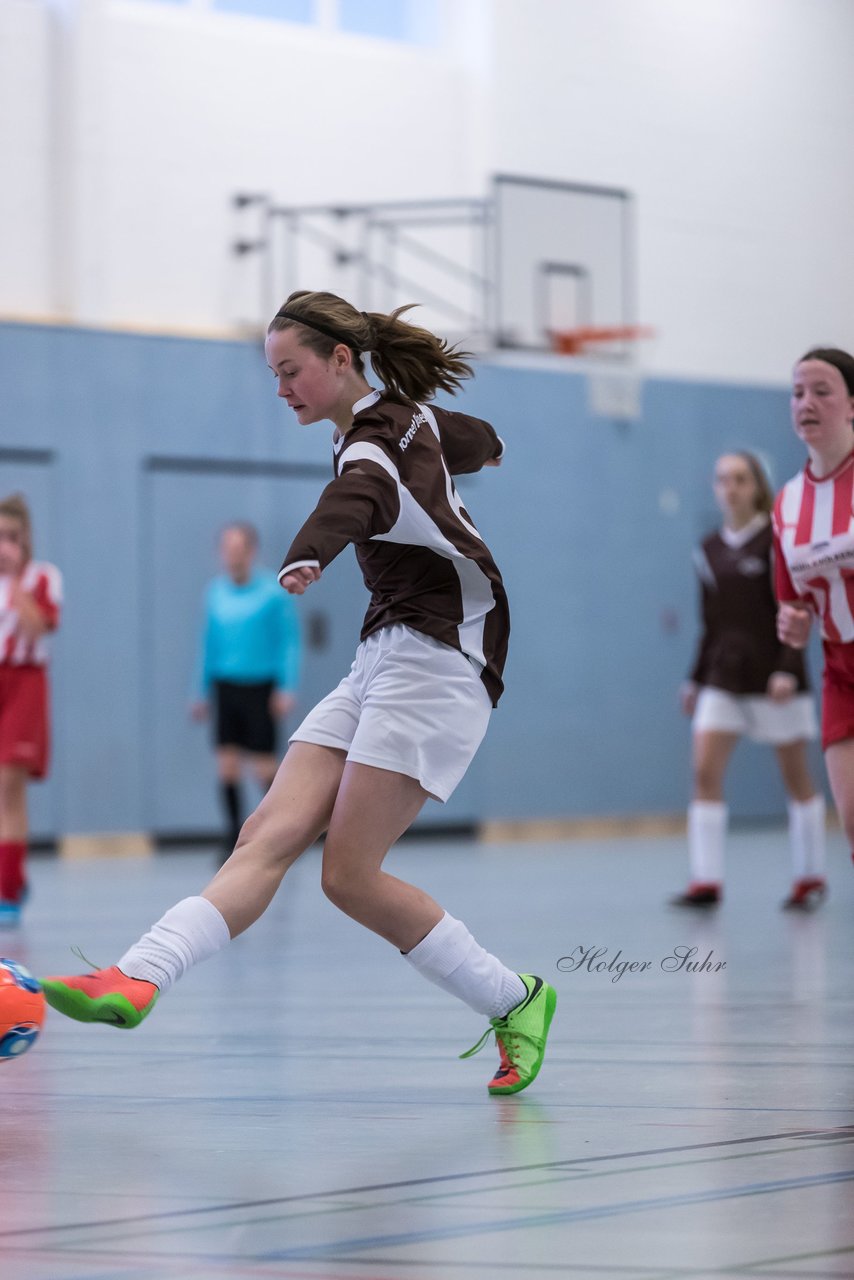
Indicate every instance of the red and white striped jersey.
{"type": "Point", "coordinates": [43, 582]}
{"type": "Point", "coordinates": [814, 536]}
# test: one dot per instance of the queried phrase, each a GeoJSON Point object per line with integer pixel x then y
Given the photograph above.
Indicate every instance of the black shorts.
{"type": "Point", "coordinates": [243, 717]}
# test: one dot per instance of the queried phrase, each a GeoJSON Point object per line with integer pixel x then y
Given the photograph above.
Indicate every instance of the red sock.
{"type": "Point", "coordinates": [12, 856]}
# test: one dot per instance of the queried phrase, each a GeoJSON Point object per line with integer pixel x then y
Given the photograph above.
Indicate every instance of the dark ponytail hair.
{"type": "Point", "coordinates": [412, 363]}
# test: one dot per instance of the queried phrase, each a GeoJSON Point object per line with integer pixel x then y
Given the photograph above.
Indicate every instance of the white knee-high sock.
{"type": "Point", "coordinates": [454, 960]}
{"type": "Point", "coordinates": [807, 836]}
{"type": "Point", "coordinates": [191, 931]}
{"type": "Point", "coordinates": [707, 821]}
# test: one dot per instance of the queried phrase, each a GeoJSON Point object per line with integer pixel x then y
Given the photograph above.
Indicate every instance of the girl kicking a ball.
{"type": "Point", "coordinates": [405, 723]}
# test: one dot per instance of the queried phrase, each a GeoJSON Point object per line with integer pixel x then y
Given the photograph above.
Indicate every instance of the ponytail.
{"type": "Point", "coordinates": [412, 363]}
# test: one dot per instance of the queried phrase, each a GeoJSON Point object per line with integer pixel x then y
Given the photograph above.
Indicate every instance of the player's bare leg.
{"type": "Point", "coordinates": [264, 769]}
{"type": "Point", "coordinates": [13, 802]}
{"type": "Point", "coordinates": [293, 814]}
{"type": "Point", "coordinates": [795, 771]}
{"type": "Point", "coordinates": [711, 752]}
{"type": "Point", "coordinates": [228, 772]}
{"type": "Point", "coordinates": [13, 842]}
{"type": "Point", "coordinates": [372, 810]}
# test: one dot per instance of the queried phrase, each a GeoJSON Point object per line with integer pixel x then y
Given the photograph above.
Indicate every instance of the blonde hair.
{"type": "Point", "coordinates": [764, 492]}
{"type": "Point", "coordinates": [15, 508]}
{"type": "Point", "coordinates": [412, 363]}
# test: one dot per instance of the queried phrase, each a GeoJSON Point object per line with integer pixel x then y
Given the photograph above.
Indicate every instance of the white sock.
{"type": "Point", "coordinates": [453, 959]}
{"type": "Point", "coordinates": [807, 836]}
{"type": "Point", "coordinates": [707, 821]}
{"type": "Point", "coordinates": [191, 931]}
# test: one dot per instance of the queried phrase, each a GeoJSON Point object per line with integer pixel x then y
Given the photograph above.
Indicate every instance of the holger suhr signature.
{"type": "Point", "coordinates": [595, 960]}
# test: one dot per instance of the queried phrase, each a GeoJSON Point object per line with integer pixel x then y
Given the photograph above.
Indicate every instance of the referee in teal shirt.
{"type": "Point", "coordinates": [248, 668]}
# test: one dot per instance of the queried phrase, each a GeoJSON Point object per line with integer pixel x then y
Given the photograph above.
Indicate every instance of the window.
{"type": "Point", "coordinates": [414, 21]}
{"type": "Point", "coordinates": [284, 10]}
{"type": "Point", "coordinates": [406, 21]}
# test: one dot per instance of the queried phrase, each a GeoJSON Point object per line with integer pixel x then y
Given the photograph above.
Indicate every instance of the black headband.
{"type": "Point", "coordinates": [313, 324]}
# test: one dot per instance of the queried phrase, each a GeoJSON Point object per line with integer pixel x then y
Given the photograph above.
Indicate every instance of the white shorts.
{"type": "Point", "coordinates": [756, 717]}
{"type": "Point", "coordinates": [410, 704]}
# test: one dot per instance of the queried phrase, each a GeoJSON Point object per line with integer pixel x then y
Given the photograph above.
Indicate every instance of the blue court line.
{"type": "Point", "coordinates": [746, 1270]}
{"type": "Point", "coordinates": [435, 1180]}
{"type": "Point", "coordinates": [755, 1270]}
{"type": "Point", "coordinates": [331, 1251]}
{"type": "Point", "coordinates": [567, 1174]}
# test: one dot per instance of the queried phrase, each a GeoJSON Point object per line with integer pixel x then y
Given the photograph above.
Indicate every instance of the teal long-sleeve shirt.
{"type": "Point", "coordinates": [250, 634]}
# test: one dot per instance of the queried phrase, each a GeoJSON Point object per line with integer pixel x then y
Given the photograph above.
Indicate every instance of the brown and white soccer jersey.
{"type": "Point", "coordinates": [814, 536]}
{"type": "Point", "coordinates": [739, 649]}
{"type": "Point", "coordinates": [422, 558]}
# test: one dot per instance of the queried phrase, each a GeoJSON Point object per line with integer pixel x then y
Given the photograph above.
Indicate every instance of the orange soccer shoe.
{"type": "Point", "coordinates": [105, 995]}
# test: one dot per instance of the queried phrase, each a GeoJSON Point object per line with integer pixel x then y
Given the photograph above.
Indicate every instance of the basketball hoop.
{"type": "Point", "coordinates": [585, 340]}
{"type": "Point", "coordinates": [614, 377]}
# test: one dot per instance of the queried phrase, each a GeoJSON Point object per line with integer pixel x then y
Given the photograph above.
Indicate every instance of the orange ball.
{"type": "Point", "coordinates": [22, 1010]}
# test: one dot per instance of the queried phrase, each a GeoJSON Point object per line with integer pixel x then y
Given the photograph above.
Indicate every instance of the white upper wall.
{"type": "Point", "coordinates": [26, 201]}
{"type": "Point", "coordinates": [170, 111]}
{"type": "Point", "coordinates": [731, 121]}
{"type": "Point", "coordinates": [126, 127]}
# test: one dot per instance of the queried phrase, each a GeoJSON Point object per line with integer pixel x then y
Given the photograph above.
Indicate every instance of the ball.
{"type": "Point", "coordinates": [22, 1010]}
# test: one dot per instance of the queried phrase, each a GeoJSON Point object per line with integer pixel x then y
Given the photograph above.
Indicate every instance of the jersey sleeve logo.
{"type": "Point", "coordinates": [418, 420]}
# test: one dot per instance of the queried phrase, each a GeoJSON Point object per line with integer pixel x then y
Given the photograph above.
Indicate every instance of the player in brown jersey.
{"type": "Point", "coordinates": [405, 723]}
{"type": "Point", "coordinates": [746, 683]}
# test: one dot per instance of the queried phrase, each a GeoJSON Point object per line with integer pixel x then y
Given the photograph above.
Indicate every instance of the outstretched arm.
{"type": "Point", "coordinates": [468, 443]}
{"type": "Point", "coordinates": [297, 581]}
{"type": "Point", "coordinates": [358, 504]}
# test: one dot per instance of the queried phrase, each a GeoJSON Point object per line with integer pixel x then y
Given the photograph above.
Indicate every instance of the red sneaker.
{"type": "Point", "coordinates": [698, 894]}
{"type": "Point", "coordinates": [806, 894]}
